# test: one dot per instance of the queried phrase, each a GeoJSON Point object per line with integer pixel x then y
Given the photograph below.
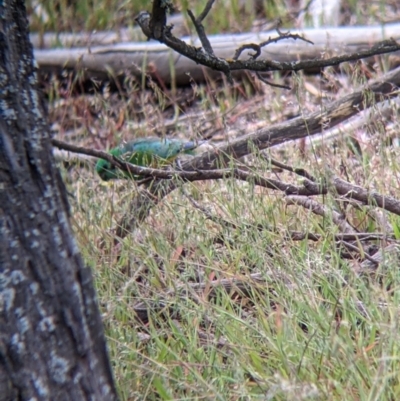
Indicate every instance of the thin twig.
{"type": "Point", "coordinates": [392, 250]}
{"type": "Point", "coordinates": [257, 47]}
{"type": "Point", "coordinates": [386, 46]}
{"type": "Point", "coordinates": [197, 22]}
{"type": "Point", "coordinates": [321, 210]}
{"type": "Point", "coordinates": [298, 236]}
{"type": "Point", "coordinates": [206, 10]}
{"type": "Point", "coordinates": [337, 218]}
{"type": "Point", "coordinates": [359, 251]}
{"type": "Point", "coordinates": [208, 214]}
{"type": "Point", "coordinates": [299, 171]}
{"type": "Point", "coordinates": [262, 79]}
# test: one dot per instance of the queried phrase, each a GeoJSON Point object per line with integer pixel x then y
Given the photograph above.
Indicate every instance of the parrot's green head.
{"type": "Point", "coordinates": [107, 171]}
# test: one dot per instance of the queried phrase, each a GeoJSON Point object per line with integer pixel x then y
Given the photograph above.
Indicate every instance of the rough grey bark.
{"type": "Point", "coordinates": [52, 345]}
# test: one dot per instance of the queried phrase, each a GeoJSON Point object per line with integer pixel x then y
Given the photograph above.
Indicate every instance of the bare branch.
{"type": "Point", "coordinates": [321, 210]}
{"type": "Point", "coordinates": [190, 176]}
{"type": "Point", "coordinates": [143, 19]}
{"type": "Point", "coordinates": [257, 47]}
{"type": "Point", "coordinates": [206, 10]}
{"type": "Point", "coordinates": [299, 171]}
{"type": "Point", "coordinates": [334, 113]}
{"type": "Point", "coordinates": [387, 46]}
{"type": "Point", "coordinates": [355, 192]}
{"type": "Point", "coordinates": [124, 166]}
{"type": "Point", "coordinates": [362, 252]}
{"type": "Point", "coordinates": [337, 218]}
{"type": "Point", "coordinates": [247, 46]}
{"type": "Point", "coordinates": [389, 252]}
{"type": "Point", "coordinates": [200, 28]}
{"type": "Point", "coordinates": [208, 59]}
{"type": "Point", "coordinates": [299, 236]}
{"type": "Point", "coordinates": [159, 17]}
{"type": "Point", "coordinates": [262, 79]}
{"type": "Point", "coordinates": [351, 191]}
{"type": "Point", "coordinates": [299, 127]}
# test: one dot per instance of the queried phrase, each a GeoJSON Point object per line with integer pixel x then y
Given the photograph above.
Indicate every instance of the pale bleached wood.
{"type": "Point", "coordinates": [50, 40]}
{"type": "Point", "coordinates": [163, 64]}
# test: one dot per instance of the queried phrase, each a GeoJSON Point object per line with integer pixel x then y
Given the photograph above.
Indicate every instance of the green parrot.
{"type": "Point", "coordinates": [147, 152]}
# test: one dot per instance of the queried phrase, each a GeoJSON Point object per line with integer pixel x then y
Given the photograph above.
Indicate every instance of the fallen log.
{"type": "Point", "coordinates": [164, 65]}
{"type": "Point", "coordinates": [50, 40]}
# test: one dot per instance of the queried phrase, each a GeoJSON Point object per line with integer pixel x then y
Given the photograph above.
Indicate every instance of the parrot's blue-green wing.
{"type": "Point", "coordinates": [165, 149]}
{"type": "Point", "coordinates": [153, 152]}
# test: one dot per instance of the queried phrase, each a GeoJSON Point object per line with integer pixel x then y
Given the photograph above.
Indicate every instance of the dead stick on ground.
{"type": "Point", "coordinates": [300, 127]}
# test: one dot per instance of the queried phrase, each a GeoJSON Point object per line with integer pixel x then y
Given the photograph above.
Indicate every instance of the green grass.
{"type": "Point", "coordinates": [309, 329]}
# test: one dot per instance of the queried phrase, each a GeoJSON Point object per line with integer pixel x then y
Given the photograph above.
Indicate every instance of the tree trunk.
{"type": "Point", "coordinates": [52, 345]}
